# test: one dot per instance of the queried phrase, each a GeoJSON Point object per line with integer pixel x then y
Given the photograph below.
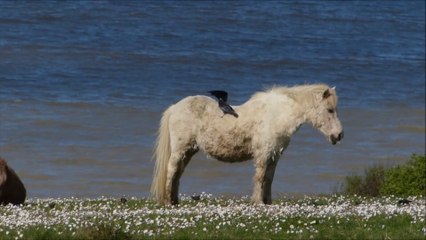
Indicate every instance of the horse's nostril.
{"type": "Point", "coordinates": [340, 137]}
{"type": "Point", "coordinates": [335, 139]}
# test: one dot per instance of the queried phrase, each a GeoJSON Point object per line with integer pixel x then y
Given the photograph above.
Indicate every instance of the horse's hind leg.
{"type": "Point", "coordinates": [177, 164]}
{"type": "Point", "coordinates": [267, 188]}
{"type": "Point", "coordinates": [263, 181]}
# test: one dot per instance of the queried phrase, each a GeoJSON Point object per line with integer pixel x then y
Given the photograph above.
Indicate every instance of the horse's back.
{"type": "Point", "coordinates": [186, 118]}
{"type": "Point", "coordinates": [193, 108]}
{"type": "Point", "coordinates": [199, 120]}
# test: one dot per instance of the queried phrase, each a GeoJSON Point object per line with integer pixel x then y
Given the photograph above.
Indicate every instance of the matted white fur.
{"type": "Point", "coordinates": [261, 132]}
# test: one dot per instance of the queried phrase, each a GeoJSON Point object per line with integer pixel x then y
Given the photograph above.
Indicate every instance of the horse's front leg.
{"type": "Point", "coordinates": [263, 180]}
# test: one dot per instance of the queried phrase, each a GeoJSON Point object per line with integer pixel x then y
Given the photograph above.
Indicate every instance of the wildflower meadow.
{"type": "Point", "coordinates": [210, 217]}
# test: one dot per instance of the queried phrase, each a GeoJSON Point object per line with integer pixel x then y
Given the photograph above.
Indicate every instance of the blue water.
{"type": "Point", "coordinates": [83, 85]}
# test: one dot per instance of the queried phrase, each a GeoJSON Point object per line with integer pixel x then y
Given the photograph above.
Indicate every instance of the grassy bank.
{"type": "Point", "coordinates": [333, 217]}
{"type": "Point", "coordinates": [403, 180]}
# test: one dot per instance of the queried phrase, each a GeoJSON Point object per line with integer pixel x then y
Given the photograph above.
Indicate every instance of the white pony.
{"type": "Point", "coordinates": [261, 132]}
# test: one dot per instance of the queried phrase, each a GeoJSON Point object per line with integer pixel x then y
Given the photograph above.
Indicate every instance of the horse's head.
{"type": "Point", "coordinates": [326, 116]}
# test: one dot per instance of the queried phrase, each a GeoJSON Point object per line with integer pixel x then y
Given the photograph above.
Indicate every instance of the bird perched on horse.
{"type": "Point", "coordinates": [222, 98]}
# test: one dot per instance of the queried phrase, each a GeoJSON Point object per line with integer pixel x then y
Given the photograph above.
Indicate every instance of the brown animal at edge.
{"type": "Point", "coordinates": [12, 189]}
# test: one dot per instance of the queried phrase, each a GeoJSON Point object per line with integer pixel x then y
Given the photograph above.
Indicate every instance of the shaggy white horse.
{"type": "Point", "coordinates": [261, 132]}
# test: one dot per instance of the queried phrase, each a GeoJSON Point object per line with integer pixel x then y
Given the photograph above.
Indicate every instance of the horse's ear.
{"type": "Point", "coordinates": [326, 94]}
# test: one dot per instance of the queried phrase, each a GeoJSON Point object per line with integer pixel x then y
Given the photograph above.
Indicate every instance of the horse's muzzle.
{"type": "Point", "coordinates": [335, 139]}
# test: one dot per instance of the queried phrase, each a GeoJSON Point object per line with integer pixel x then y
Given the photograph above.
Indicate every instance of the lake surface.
{"type": "Point", "coordinates": [83, 86]}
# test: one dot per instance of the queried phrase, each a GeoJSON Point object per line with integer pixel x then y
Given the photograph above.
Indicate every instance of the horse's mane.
{"type": "Point", "coordinates": [304, 94]}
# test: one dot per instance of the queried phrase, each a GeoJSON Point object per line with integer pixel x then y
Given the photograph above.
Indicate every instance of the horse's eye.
{"type": "Point", "coordinates": [330, 110]}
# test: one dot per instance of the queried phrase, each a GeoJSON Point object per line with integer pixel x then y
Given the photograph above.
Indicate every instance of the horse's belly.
{"type": "Point", "coordinates": [226, 140]}
{"type": "Point", "coordinates": [228, 151]}
{"type": "Point", "coordinates": [235, 158]}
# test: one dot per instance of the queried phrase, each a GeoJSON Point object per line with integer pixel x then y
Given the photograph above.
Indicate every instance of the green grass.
{"type": "Point", "coordinates": [325, 217]}
{"type": "Point", "coordinates": [408, 179]}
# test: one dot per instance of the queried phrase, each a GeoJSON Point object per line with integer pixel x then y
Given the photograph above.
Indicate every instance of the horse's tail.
{"type": "Point", "coordinates": [162, 156]}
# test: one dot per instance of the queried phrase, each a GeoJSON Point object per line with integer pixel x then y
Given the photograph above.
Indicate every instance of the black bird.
{"type": "Point", "coordinates": [404, 202]}
{"type": "Point", "coordinates": [123, 200]}
{"type": "Point", "coordinates": [222, 98]}
{"type": "Point", "coordinates": [196, 197]}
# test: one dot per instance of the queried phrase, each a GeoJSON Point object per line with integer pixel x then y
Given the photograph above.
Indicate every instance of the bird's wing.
{"type": "Point", "coordinates": [225, 107]}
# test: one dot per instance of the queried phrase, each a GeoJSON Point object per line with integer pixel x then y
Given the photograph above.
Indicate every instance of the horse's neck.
{"type": "Point", "coordinates": [281, 113]}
